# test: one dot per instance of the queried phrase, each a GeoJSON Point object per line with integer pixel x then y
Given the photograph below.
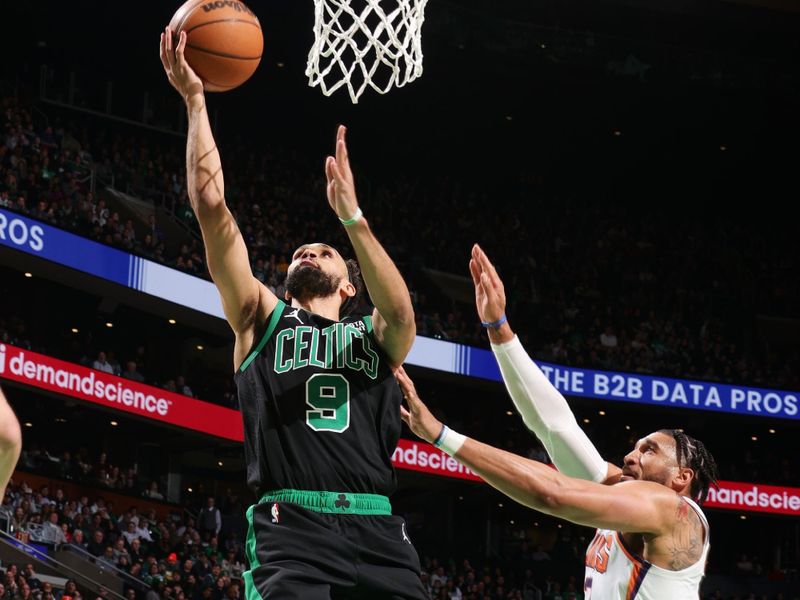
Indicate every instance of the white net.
{"type": "Point", "coordinates": [360, 43]}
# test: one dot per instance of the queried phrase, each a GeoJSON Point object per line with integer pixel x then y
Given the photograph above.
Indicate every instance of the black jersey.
{"type": "Point", "coordinates": [320, 405]}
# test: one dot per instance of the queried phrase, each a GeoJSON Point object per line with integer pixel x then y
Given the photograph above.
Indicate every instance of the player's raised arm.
{"type": "Point", "coordinates": [10, 443]}
{"type": "Point", "coordinates": [544, 410]}
{"type": "Point", "coordinates": [228, 263]}
{"type": "Point", "coordinates": [393, 318]}
{"type": "Point", "coordinates": [636, 506]}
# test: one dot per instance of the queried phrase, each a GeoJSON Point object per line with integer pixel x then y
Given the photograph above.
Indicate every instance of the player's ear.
{"type": "Point", "coordinates": [287, 297]}
{"type": "Point", "coordinates": [348, 288]}
{"type": "Point", "coordinates": [684, 476]}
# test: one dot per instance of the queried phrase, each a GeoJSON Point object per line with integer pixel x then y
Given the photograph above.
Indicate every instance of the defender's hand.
{"type": "Point", "coordinates": [490, 295]}
{"type": "Point", "coordinates": [417, 416]}
{"type": "Point", "coordinates": [179, 73]}
{"type": "Point", "coordinates": [341, 188]}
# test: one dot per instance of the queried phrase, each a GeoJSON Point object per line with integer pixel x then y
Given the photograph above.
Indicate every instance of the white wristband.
{"type": "Point", "coordinates": [354, 219]}
{"type": "Point", "coordinates": [451, 441]}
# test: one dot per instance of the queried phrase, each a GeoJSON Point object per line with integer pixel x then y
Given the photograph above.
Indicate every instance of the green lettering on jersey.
{"type": "Point", "coordinates": [351, 361]}
{"type": "Point", "coordinates": [282, 366]}
{"type": "Point", "coordinates": [340, 349]}
{"type": "Point", "coordinates": [328, 332]}
{"type": "Point", "coordinates": [371, 367]}
{"type": "Point", "coordinates": [349, 343]}
{"type": "Point", "coordinates": [299, 345]}
{"type": "Point", "coordinates": [313, 357]}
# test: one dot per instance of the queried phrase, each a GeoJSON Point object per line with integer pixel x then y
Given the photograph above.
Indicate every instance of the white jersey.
{"type": "Point", "coordinates": [615, 572]}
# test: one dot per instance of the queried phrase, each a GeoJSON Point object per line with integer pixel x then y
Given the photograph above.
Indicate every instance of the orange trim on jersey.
{"type": "Point", "coordinates": [632, 580]}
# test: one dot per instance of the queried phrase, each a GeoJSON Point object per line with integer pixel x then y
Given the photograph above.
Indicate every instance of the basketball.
{"type": "Point", "coordinates": [223, 41]}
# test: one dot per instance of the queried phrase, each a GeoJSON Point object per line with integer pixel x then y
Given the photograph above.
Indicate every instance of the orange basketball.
{"type": "Point", "coordinates": [223, 41]}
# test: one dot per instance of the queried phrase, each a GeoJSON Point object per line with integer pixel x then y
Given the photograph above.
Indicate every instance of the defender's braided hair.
{"type": "Point", "coordinates": [693, 454]}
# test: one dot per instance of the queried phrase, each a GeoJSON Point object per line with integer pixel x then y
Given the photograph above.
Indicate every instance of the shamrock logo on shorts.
{"type": "Point", "coordinates": [342, 502]}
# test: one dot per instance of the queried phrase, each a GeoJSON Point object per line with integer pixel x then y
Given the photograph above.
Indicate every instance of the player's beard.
{"type": "Point", "coordinates": [305, 283]}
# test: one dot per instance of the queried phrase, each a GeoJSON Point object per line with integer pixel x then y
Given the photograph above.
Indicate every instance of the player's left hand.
{"type": "Point", "coordinates": [416, 416]}
{"type": "Point", "coordinates": [341, 188]}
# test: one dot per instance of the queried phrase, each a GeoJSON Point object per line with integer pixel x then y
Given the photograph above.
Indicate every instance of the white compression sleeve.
{"type": "Point", "coordinates": [546, 412]}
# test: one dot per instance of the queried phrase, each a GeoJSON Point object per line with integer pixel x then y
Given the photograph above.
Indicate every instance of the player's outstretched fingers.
{"type": "Point", "coordinates": [179, 58]}
{"type": "Point", "coordinates": [475, 271]}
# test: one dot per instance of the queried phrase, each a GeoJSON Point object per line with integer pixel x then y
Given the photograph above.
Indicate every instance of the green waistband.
{"type": "Point", "coordinates": [339, 503]}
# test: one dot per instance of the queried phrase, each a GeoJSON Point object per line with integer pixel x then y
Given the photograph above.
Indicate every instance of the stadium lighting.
{"type": "Point", "coordinates": [500, 504]}
{"type": "Point", "coordinates": [114, 423]}
{"type": "Point", "coordinates": [754, 438]}
{"type": "Point", "coordinates": [189, 490]}
{"type": "Point", "coordinates": [219, 463]}
{"type": "Point", "coordinates": [280, 65]}
{"type": "Point", "coordinates": [723, 147]}
{"type": "Point", "coordinates": [28, 424]}
{"type": "Point", "coordinates": [602, 413]}
{"type": "Point", "coordinates": [109, 324]}
{"type": "Point", "coordinates": [628, 427]}
{"type": "Point", "coordinates": [743, 517]}
{"type": "Point", "coordinates": [772, 431]}
{"type": "Point", "coordinates": [586, 421]}
{"type": "Point", "coordinates": [509, 413]}
{"type": "Point", "coordinates": [74, 330]}
{"type": "Point", "coordinates": [617, 133]}
{"type": "Point", "coordinates": [199, 347]}
{"type": "Point", "coordinates": [171, 321]}
{"type": "Point", "coordinates": [28, 275]}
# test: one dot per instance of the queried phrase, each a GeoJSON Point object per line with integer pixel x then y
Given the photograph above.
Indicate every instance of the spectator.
{"type": "Point", "coordinates": [152, 492]}
{"type": "Point", "coordinates": [52, 532]}
{"type": "Point", "coordinates": [102, 364]}
{"type": "Point", "coordinates": [96, 545]}
{"type": "Point", "coordinates": [131, 372]}
{"type": "Point", "coordinates": [210, 519]}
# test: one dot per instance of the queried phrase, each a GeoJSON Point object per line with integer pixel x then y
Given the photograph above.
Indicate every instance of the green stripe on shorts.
{"type": "Point", "coordinates": [337, 503]}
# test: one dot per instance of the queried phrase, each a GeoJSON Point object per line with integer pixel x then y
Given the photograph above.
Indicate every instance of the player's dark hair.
{"type": "Point", "coordinates": [693, 454]}
{"type": "Point", "coordinates": [354, 276]}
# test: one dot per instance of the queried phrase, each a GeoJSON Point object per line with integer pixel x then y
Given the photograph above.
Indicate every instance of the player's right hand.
{"type": "Point", "coordinates": [179, 73]}
{"type": "Point", "coordinates": [490, 295]}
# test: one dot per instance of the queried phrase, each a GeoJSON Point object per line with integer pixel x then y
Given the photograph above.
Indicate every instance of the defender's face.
{"type": "Point", "coordinates": [652, 459]}
{"type": "Point", "coordinates": [319, 256]}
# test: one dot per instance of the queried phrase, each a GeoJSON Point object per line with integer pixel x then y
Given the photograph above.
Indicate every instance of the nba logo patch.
{"type": "Point", "coordinates": [405, 535]}
{"type": "Point", "coordinates": [275, 512]}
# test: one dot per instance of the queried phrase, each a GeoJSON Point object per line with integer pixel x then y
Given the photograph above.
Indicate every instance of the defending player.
{"type": "Point", "coordinates": [652, 538]}
{"type": "Point", "coordinates": [319, 402]}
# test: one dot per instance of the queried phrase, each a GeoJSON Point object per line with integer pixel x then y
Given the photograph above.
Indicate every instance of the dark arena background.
{"type": "Point", "coordinates": [631, 166]}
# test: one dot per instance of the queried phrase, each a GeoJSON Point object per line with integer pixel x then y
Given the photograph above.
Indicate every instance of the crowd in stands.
{"type": "Point", "coordinates": [188, 558]}
{"type": "Point", "coordinates": [595, 284]}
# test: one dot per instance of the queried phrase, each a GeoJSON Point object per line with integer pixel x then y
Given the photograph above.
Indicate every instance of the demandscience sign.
{"type": "Point", "coordinates": [76, 252]}
{"type": "Point", "coordinates": [96, 387]}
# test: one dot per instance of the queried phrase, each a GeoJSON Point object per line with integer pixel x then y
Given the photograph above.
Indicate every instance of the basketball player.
{"type": "Point", "coordinates": [321, 408]}
{"type": "Point", "coordinates": [652, 538]}
{"type": "Point", "coordinates": [10, 443]}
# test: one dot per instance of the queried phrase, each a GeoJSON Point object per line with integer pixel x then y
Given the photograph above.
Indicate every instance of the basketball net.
{"type": "Point", "coordinates": [358, 44]}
